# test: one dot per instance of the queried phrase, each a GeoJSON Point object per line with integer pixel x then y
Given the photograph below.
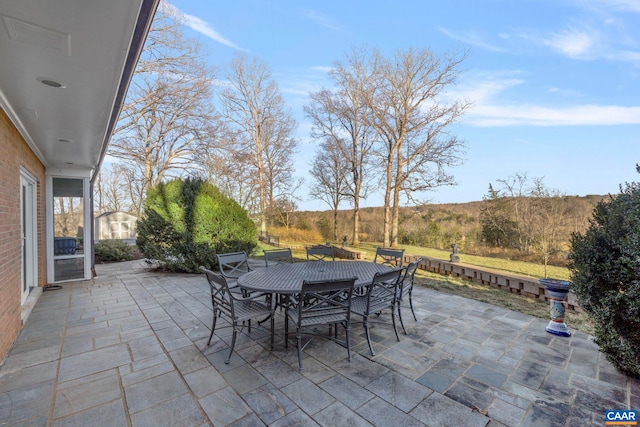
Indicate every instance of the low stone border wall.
{"type": "Point", "coordinates": [346, 253]}
{"type": "Point", "coordinates": [521, 285]}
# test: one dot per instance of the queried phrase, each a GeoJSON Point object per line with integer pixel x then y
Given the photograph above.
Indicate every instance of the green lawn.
{"type": "Point", "coordinates": [516, 267]}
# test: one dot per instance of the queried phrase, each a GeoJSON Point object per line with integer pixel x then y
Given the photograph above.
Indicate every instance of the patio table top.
{"type": "Point", "coordinates": [288, 278]}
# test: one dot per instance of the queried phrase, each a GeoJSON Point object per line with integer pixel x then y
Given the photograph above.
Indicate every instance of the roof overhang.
{"type": "Point", "coordinates": [65, 67]}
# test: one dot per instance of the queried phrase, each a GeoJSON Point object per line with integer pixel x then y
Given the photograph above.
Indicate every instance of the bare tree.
{"type": "Point", "coordinates": [168, 112]}
{"type": "Point", "coordinates": [328, 171]}
{"type": "Point", "coordinates": [229, 171]}
{"type": "Point", "coordinates": [340, 116]}
{"type": "Point", "coordinates": [411, 118]}
{"type": "Point", "coordinates": [551, 214]}
{"type": "Point", "coordinates": [524, 214]}
{"type": "Point", "coordinates": [262, 130]}
{"type": "Point", "coordinates": [517, 189]}
{"type": "Point", "coordinates": [283, 212]}
{"type": "Point", "coordinates": [110, 191]}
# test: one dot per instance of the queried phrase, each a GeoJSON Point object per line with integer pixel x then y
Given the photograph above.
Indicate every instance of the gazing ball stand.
{"type": "Point", "coordinates": [558, 291]}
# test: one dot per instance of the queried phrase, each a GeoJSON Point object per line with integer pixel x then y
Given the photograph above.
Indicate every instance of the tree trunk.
{"type": "Point", "coordinates": [356, 222]}
{"type": "Point", "coordinates": [387, 200]}
{"type": "Point", "coordinates": [395, 213]}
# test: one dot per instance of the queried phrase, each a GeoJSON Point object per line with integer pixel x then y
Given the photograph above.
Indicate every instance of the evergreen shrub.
{"type": "Point", "coordinates": [186, 222]}
{"type": "Point", "coordinates": [605, 275]}
{"type": "Point", "coordinates": [113, 251]}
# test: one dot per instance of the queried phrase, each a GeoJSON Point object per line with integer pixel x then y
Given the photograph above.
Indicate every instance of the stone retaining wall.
{"type": "Point", "coordinates": [521, 285]}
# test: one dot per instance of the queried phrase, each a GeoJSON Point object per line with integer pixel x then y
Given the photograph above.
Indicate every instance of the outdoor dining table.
{"type": "Point", "coordinates": [288, 278]}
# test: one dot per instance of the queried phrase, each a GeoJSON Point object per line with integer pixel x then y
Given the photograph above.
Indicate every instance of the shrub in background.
{"type": "Point", "coordinates": [113, 251]}
{"type": "Point", "coordinates": [605, 275]}
{"type": "Point", "coordinates": [185, 223]}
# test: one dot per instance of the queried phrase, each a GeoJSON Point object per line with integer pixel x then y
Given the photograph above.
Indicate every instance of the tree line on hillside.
{"type": "Point", "coordinates": [384, 123]}
{"type": "Point", "coordinates": [533, 225]}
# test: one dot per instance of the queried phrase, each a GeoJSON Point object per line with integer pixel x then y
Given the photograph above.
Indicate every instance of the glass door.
{"type": "Point", "coordinates": [28, 233]}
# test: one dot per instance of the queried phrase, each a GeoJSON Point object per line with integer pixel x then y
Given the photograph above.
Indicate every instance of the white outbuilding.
{"type": "Point", "coordinates": [115, 225]}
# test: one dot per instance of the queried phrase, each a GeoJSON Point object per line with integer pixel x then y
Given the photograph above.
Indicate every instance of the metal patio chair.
{"type": "Point", "coordinates": [274, 257]}
{"type": "Point", "coordinates": [320, 303]}
{"type": "Point", "coordinates": [233, 265]}
{"type": "Point", "coordinates": [239, 311]}
{"type": "Point", "coordinates": [320, 253]}
{"type": "Point", "coordinates": [406, 288]}
{"type": "Point", "coordinates": [277, 256]}
{"type": "Point", "coordinates": [389, 256]}
{"type": "Point", "coordinates": [380, 295]}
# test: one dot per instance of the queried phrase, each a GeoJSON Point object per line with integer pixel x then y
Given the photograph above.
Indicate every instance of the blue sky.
{"type": "Point", "coordinates": [555, 84]}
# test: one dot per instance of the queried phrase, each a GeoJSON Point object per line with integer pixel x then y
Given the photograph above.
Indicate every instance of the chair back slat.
{"type": "Point", "coordinates": [389, 256]}
{"type": "Point", "coordinates": [406, 284]}
{"type": "Point", "coordinates": [321, 300]}
{"type": "Point", "coordinates": [320, 253]}
{"type": "Point", "coordinates": [278, 256]}
{"type": "Point", "coordinates": [382, 292]}
{"type": "Point", "coordinates": [221, 297]}
{"type": "Point", "coordinates": [233, 265]}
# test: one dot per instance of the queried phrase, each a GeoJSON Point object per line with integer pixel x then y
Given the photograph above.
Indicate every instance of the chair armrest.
{"type": "Point", "coordinates": [246, 296]}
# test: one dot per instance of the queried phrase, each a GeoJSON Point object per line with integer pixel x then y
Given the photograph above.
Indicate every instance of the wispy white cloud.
{"type": "Point", "coordinates": [574, 43]}
{"type": "Point", "coordinates": [197, 24]}
{"type": "Point", "coordinates": [588, 42]}
{"type": "Point", "coordinates": [533, 115]}
{"type": "Point", "coordinates": [621, 5]}
{"type": "Point", "coordinates": [298, 87]}
{"type": "Point", "coordinates": [322, 19]}
{"type": "Point", "coordinates": [322, 68]}
{"type": "Point", "coordinates": [567, 93]}
{"type": "Point", "coordinates": [482, 87]}
{"type": "Point", "coordinates": [474, 40]}
{"type": "Point", "coordinates": [490, 110]}
{"type": "Point", "coordinates": [602, 29]}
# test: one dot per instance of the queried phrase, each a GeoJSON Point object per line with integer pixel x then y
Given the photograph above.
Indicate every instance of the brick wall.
{"type": "Point", "coordinates": [16, 153]}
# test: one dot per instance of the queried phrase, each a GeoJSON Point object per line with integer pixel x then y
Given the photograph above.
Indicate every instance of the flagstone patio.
{"type": "Point", "coordinates": [128, 348]}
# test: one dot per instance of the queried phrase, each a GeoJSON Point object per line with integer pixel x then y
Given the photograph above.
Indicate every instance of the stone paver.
{"type": "Point", "coordinates": [129, 348]}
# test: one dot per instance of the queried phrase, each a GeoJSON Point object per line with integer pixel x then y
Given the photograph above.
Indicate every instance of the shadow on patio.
{"type": "Point", "coordinates": [129, 348]}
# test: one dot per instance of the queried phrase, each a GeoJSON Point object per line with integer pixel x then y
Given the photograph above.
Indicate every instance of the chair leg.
{"type": "Point", "coordinates": [213, 325]}
{"type": "Point", "coordinates": [272, 328]}
{"type": "Point", "coordinates": [366, 331]}
{"type": "Point", "coordinates": [347, 327]}
{"type": "Point", "coordinates": [269, 301]}
{"type": "Point", "coordinates": [299, 337]}
{"type": "Point", "coordinates": [411, 305]}
{"type": "Point", "coordinates": [286, 331]}
{"type": "Point", "coordinates": [393, 320]}
{"type": "Point", "coordinates": [233, 343]}
{"type": "Point", "coordinates": [400, 317]}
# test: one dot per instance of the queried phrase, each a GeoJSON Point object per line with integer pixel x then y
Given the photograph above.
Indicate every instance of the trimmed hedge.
{"type": "Point", "coordinates": [113, 251]}
{"type": "Point", "coordinates": [185, 223]}
{"type": "Point", "coordinates": [605, 275]}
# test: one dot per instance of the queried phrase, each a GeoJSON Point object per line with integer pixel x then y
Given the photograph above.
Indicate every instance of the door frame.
{"type": "Point", "coordinates": [28, 233]}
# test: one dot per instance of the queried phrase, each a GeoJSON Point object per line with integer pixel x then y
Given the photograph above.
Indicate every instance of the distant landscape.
{"type": "Point", "coordinates": [439, 226]}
